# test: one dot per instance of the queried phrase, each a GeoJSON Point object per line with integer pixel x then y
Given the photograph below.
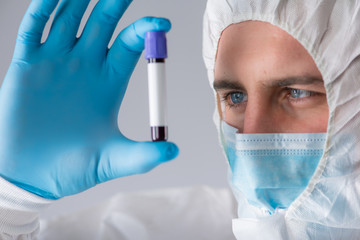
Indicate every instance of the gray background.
{"type": "Point", "coordinates": [191, 102]}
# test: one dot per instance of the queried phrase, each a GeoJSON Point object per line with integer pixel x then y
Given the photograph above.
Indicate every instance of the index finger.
{"type": "Point", "coordinates": [34, 21]}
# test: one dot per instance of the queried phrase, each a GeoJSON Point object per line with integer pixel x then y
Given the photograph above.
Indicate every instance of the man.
{"type": "Point", "coordinates": [278, 79]}
{"type": "Point", "coordinates": [285, 186]}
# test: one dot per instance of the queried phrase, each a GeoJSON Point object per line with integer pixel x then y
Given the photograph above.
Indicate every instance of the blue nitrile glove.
{"type": "Point", "coordinates": [59, 101]}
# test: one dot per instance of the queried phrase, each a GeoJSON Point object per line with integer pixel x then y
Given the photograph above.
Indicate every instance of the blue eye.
{"type": "Point", "coordinates": [298, 93]}
{"type": "Point", "coordinates": [238, 97]}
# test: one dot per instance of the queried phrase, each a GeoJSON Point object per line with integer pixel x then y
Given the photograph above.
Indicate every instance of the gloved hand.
{"type": "Point", "coordinates": [59, 101]}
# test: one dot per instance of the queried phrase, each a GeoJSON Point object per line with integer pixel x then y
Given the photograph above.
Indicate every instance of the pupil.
{"type": "Point", "coordinates": [295, 93]}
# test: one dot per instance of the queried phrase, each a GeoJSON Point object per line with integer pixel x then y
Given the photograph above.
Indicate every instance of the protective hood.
{"type": "Point", "coordinates": [329, 30]}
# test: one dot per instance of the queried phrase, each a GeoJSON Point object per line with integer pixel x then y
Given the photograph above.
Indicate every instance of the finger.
{"type": "Point", "coordinates": [129, 44]}
{"type": "Point", "coordinates": [101, 25]}
{"type": "Point", "coordinates": [34, 21]}
{"type": "Point", "coordinates": [121, 158]}
{"type": "Point", "coordinates": [66, 23]}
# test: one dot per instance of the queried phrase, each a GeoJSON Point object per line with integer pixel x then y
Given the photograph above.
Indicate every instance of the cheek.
{"type": "Point", "coordinates": [234, 119]}
{"type": "Point", "coordinates": [307, 121]}
{"type": "Point", "coordinates": [319, 119]}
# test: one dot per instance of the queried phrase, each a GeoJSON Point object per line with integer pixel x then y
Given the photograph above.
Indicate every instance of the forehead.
{"type": "Point", "coordinates": [258, 47]}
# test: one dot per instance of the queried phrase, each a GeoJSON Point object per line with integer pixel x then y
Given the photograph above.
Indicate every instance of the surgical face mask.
{"type": "Point", "coordinates": [271, 170]}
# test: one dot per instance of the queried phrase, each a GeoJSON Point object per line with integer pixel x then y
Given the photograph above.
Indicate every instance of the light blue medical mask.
{"type": "Point", "coordinates": [272, 170]}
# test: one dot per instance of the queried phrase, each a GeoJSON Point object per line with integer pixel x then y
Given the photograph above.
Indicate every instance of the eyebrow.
{"type": "Point", "coordinates": [227, 84]}
{"type": "Point", "coordinates": [301, 80]}
{"type": "Point", "coordinates": [224, 84]}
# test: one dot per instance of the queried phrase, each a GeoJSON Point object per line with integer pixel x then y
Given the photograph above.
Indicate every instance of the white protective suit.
{"type": "Point", "coordinates": [329, 208]}
{"type": "Point", "coordinates": [185, 213]}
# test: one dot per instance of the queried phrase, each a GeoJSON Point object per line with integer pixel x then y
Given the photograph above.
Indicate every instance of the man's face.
{"type": "Point", "coordinates": [267, 82]}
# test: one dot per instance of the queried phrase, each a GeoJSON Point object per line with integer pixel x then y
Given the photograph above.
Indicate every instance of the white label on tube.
{"type": "Point", "coordinates": [157, 94]}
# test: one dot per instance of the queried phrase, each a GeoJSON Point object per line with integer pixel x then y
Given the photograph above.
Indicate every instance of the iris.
{"type": "Point", "coordinates": [238, 97]}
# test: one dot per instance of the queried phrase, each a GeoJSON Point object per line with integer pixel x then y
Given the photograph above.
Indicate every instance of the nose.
{"type": "Point", "coordinates": [261, 117]}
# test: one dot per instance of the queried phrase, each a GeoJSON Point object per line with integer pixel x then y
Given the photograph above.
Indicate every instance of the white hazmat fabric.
{"type": "Point", "coordinates": [329, 208]}
{"type": "Point", "coordinates": [185, 213]}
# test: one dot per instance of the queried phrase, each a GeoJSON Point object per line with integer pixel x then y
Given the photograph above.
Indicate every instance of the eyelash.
{"type": "Point", "coordinates": [228, 101]}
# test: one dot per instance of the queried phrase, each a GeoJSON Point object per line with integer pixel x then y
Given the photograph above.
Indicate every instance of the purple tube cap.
{"type": "Point", "coordinates": [155, 45]}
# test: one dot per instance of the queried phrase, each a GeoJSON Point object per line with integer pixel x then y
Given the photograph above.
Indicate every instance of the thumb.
{"type": "Point", "coordinates": [123, 157]}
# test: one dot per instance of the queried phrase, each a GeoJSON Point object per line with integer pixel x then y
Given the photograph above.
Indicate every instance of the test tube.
{"type": "Point", "coordinates": [155, 53]}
